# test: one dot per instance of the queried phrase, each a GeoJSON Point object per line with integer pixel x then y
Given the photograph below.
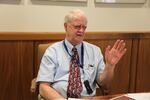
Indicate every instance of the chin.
{"type": "Point", "coordinates": [78, 42]}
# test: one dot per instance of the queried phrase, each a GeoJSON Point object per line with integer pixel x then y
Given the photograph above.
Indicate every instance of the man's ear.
{"type": "Point", "coordinates": [65, 26]}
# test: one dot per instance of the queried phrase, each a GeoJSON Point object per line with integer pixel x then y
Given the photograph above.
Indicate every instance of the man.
{"type": "Point", "coordinates": [59, 62]}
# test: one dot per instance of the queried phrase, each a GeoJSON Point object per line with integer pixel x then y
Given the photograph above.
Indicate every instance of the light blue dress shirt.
{"type": "Point", "coordinates": [55, 63]}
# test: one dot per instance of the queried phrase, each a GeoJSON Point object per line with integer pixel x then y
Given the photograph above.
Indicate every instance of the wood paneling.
{"type": "Point", "coordinates": [61, 35]}
{"type": "Point", "coordinates": [18, 61]}
{"type": "Point", "coordinates": [143, 66]}
{"type": "Point", "coordinates": [133, 65]}
{"type": "Point", "coordinates": [16, 68]}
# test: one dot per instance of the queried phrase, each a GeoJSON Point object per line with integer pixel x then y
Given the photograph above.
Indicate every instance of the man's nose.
{"type": "Point", "coordinates": [82, 29]}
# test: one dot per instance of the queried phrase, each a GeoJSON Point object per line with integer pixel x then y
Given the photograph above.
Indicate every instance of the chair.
{"type": "Point", "coordinates": [41, 50]}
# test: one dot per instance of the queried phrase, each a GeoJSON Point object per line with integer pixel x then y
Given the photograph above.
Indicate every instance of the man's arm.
{"type": "Point", "coordinates": [48, 93]}
{"type": "Point", "coordinates": [112, 57]}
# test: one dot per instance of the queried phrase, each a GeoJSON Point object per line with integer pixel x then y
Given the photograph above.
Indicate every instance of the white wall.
{"type": "Point", "coordinates": [46, 16]}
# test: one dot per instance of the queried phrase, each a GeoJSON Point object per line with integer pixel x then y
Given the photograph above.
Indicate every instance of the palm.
{"type": "Point", "coordinates": [114, 54]}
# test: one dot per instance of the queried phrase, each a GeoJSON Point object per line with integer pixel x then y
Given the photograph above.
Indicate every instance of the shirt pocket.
{"type": "Point", "coordinates": [89, 71]}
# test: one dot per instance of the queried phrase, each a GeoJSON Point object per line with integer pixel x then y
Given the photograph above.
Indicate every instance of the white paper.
{"type": "Point", "coordinates": [139, 96]}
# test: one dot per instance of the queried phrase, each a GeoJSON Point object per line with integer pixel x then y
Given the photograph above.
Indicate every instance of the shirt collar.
{"type": "Point", "coordinates": [70, 46]}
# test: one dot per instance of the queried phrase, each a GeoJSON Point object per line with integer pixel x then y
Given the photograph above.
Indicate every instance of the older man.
{"type": "Point", "coordinates": [71, 67]}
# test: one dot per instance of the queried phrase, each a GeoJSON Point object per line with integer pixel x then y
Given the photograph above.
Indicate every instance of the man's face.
{"type": "Point", "coordinates": [75, 30]}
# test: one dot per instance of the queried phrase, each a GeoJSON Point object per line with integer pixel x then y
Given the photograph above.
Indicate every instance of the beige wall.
{"type": "Point", "coordinates": [48, 16]}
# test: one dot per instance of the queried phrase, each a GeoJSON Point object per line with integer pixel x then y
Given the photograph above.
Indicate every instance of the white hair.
{"type": "Point", "coordinates": [72, 14]}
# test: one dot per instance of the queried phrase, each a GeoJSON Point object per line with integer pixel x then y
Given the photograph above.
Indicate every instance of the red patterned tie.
{"type": "Point", "coordinates": [74, 84]}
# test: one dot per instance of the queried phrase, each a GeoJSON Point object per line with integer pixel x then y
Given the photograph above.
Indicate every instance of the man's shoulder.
{"type": "Point", "coordinates": [56, 44]}
{"type": "Point", "coordinates": [90, 45]}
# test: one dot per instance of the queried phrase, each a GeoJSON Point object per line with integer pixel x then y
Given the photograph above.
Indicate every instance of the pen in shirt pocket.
{"type": "Point", "coordinates": [90, 65]}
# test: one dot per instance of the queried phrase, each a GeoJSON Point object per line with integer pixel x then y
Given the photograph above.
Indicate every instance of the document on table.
{"type": "Point", "coordinates": [129, 96]}
{"type": "Point", "coordinates": [133, 96]}
{"type": "Point", "coordinates": [122, 97]}
{"type": "Point", "coordinates": [139, 96]}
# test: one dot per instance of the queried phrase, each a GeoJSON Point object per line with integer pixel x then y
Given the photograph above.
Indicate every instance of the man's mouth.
{"type": "Point", "coordinates": [79, 34]}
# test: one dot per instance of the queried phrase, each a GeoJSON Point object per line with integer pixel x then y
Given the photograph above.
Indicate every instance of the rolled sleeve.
{"type": "Point", "coordinates": [100, 64]}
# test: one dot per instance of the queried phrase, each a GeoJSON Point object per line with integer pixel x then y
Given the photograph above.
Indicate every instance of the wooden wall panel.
{"type": "Point", "coordinates": [16, 68]}
{"type": "Point", "coordinates": [18, 61]}
{"type": "Point", "coordinates": [143, 66]}
{"type": "Point", "coordinates": [133, 66]}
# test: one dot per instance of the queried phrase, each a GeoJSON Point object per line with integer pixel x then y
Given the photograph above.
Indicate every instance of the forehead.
{"type": "Point", "coordinates": [79, 19]}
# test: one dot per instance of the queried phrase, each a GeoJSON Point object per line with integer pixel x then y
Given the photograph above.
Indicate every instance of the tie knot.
{"type": "Point", "coordinates": [74, 49]}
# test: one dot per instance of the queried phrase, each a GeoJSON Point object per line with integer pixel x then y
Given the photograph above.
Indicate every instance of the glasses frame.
{"type": "Point", "coordinates": [78, 27]}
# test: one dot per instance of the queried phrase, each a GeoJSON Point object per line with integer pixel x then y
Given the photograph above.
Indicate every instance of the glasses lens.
{"type": "Point", "coordinates": [78, 27]}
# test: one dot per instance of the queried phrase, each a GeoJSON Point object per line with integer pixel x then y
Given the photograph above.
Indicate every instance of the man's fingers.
{"type": "Point", "coordinates": [123, 51]}
{"type": "Point", "coordinates": [107, 51]}
{"type": "Point", "coordinates": [120, 45]}
{"type": "Point", "coordinates": [116, 44]}
{"type": "Point", "coordinates": [108, 48]}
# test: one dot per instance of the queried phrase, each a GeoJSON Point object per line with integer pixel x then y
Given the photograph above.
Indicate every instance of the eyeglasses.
{"type": "Point", "coordinates": [78, 27]}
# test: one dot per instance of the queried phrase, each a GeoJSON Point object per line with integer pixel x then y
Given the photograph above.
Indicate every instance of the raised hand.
{"type": "Point", "coordinates": [114, 54]}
